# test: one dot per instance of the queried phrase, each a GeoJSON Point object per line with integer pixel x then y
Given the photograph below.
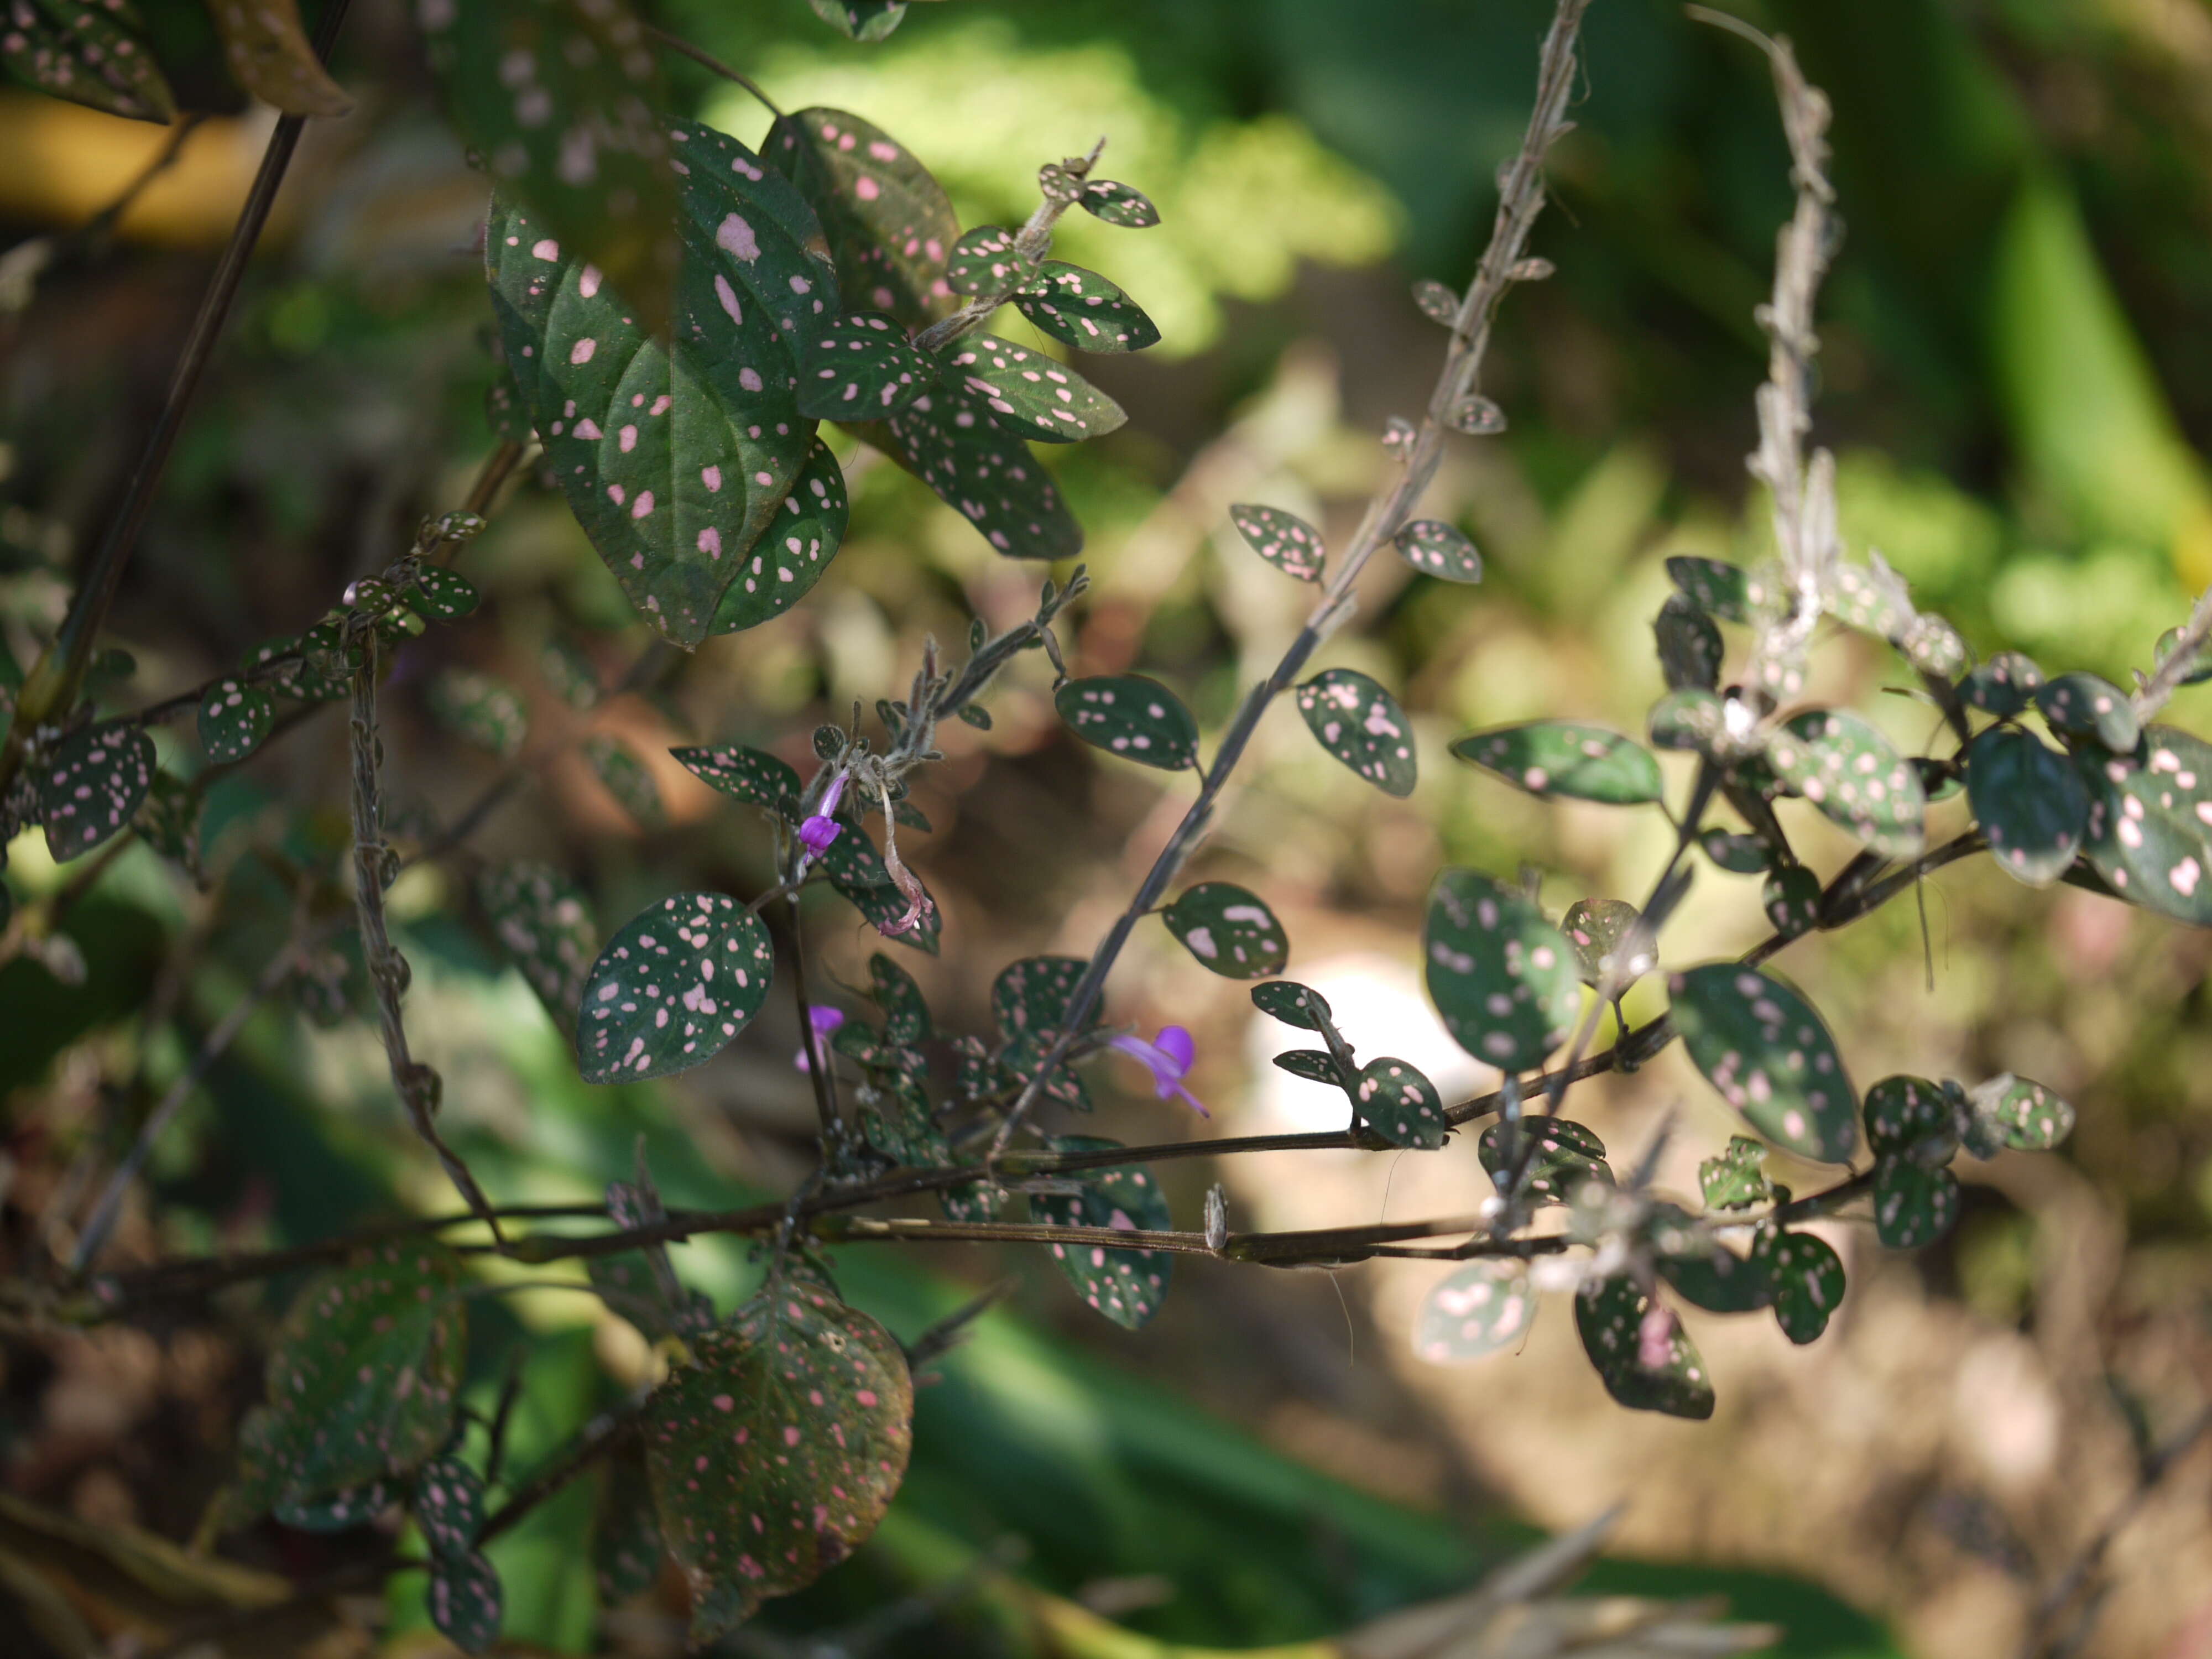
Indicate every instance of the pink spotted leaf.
{"type": "Point", "coordinates": [1127, 1286]}
{"type": "Point", "coordinates": [543, 920]}
{"type": "Point", "coordinates": [1363, 726]}
{"type": "Point", "coordinates": [1283, 539]}
{"type": "Point", "coordinates": [1476, 1311]}
{"type": "Point", "coordinates": [1229, 929]}
{"type": "Point", "coordinates": [1504, 978]}
{"type": "Point", "coordinates": [1400, 1103]}
{"type": "Point", "coordinates": [1612, 1316]}
{"type": "Point", "coordinates": [1764, 1049]}
{"type": "Point", "coordinates": [949, 439]}
{"type": "Point", "coordinates": [1567, 759]}
{"type": "Point", "coordinates": [2149, 832]}
{"type": "Point", "coordinates": [861, 368]}
{"type": "Point", "coordinates": [673, 988]}
{"type": "Point", "coordinates": [889, 223]}
{"type": "Point", "coordinates": [1027, 394]}
{"type": "Point", "coordinates": [1081, 308]}
{"type": "Point", "coordinates": [90, 52]}
{"type": "Point", "coordinates": [1130, 715]}
{"type": "Point", "coordinates": [985, 260]}
{"type": "Point", "coordinates": [88, 789]}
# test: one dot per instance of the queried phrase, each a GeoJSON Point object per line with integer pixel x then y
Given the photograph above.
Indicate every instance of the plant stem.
{"type": "Point", "coordinates": [1032, 242]}
{"type": "Point", "coordinates": [706, 60]}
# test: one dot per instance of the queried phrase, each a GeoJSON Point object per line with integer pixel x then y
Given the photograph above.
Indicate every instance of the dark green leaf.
{"type": "Point", "coordinates": [1081, 308]}
{"type": "Point", "coordinates": [1118, 205]}
{"type": "Point", "coordinates": [1792, 899]}
{"type": "Point", "coordinates": [1029, 999]}
{"type": "Point", "coordinates": [986, 260]}
{"type": "Point", "coordinates": [1764, 1049]}
{"type": "Point", "coordinates": [1691, 718]}
{"type": "Point", "coordinates": [2030, 801]}
{"type": "Point", "coordinates": [949, 440]}
{"type": "Point", "coordinates": [338, 1511]}
{"type": "Point", "coordinates": [625, 776]}
{"type": "Point", "coordinates": [1717, 589]}
{"type": "Point", "coordinates": [1028, 393]}
{"type": "Point", "coordinates": [442, 595]}
{"type": "Point", "coordinates": [558, 97]}
{"type": "Point", "coordinates": [2084, 706]}
{"type": "Point", "coordinates": [888, 222]}
{"type": "Point", "coordinates": [1736, 1178]}
{"type": "Point", "coordinates": [861, 19]}
{"type": "Point", "coordinates": [2030, 1117]}
{"type": "Point", "coordinates": [1291, 1003]}
{"type": "Point", "coordinates": [1598, 929]}
{"type": "Point", "coordinates": [90, 52]}
{"type": "Point", "coordinates": [466, 1603]}
{"type": "Point", "coordinates": [1127, 1286]}
{"type": "Point", "coordinates": [1610, 1315]}
{"type": "Point", "coordinates": [861, 367]}
{"type": "Point", "coordinates": [1314, 1064]}
{"type": "Point", "coordinates": [1808, 1277]}
{"type": "Point", "coordinates": [1566, 1155]}
{"type": "Point", "coordinates": [448, 1506]}
{"type": "Point", "coordinates": [801, 538]}
{"type": "Point", "coordinates": [1906, 1113]}
{"type": "Point", "coordinates": [1230, 930]}
{"type": "Point", "coordinates": [1400, 1104]}
{"type": "Point", "coordinates": [626, 1547]}
{"type": "Point", "coordinates": [1913, 1204]}
{"type": "Point", "coordinates": [479, 709]}
{"type": "Point", "coordinates": [1719, 1280]}
{"type": "Point", "coordinates": [1847, 769]}
{"type": "Point", "coordinates": [543, 922]}
{"type": "Point", "coordinates": [90, 786]}
{"type": "Point", "coordinates": [1476, 1311]}
{"type": "Point", "coordinates": [1933, 646]}
{"type": "Point", "coordinates": [1362, 725]}
{"type": "Point", "coordinates": [2003, 685]}
{"type": "Point", "coordinates": [672, 989]}
{"type": "Point", "coordinates": [1130, 715]}
{"type": "Point", "coordinates": [857, 870]}
{"type": "Point", "coordinates": [1691, 653]}
{"type": "Point", "coordinates": [1566, 758]}
{"type": "Point", "coordinates": [1499, 974]}
{"type": "Point", "coordinates": [1940, 778]}
{"type": "Point", "coordinates": [235, 718]}
{"type": "Point", "coordinates": [1283, 539]}
{"type": "Point", "coordinates": [747, 775]}
{"type": "Point", "coordinates": [2150, 823]}
{"type": "Point", "coordinates": [1745, 855]}
{"type": "Point", "coordinates": [906, 1015]}
{"type": "Point", "coordinates": [1435, 549]}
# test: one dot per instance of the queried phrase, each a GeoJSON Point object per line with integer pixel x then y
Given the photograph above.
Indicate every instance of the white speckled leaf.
{"type": "Point", "coordinates": [1501, 976]}
{"type": "Point", "coordinates": [1807, 1280]}
{"type": "Point", "coordinates": [1314, 1064]}
{"type": "Point", "coordinates": [1609, 1317]}
{"type": "Point", "coordinates": [1913, 1204]}
{"type": "Point", "coordinates": [1735, 1178]}
{"type": "Point", "coordinates": [888, 223]}
{"type": "Point", "coordinates": [985, 260]}
{"type": "Point", "coordinates": [1435, 549]}
{"type": "Point", "coordinates": [861, 368]}
{"type": "Point", "coordinates": [1127, 1286]}
{"type": "Point", "coordinates": [775, 1452]}
{"type": "Point", "coordinates": [1717, 589]}
{"type": "Point", "coordinates": [543, 922]}
{"type": "Point", "coordinates": [1130, 715]}
{"type": "Point", "coordinates": [2150, 823]}
{"type": "Point", "coordinates": [673, 988]}
{"type": "Point", "coordinates": [1598, 929]}
{"type": "Point", "coordinates": [2085, 705]}
{"type": "Point", "coordinates": [1838, 762]}
{"type": "Point", "coordinates": [2030, 801]}
{"type": "Point", "coordinates": [748, 775]}
{"type": "Point", "coordinates": [949, 440]}
{"type": "Point", "coordinates": [441, 594]}
{"type": "Point", "coordinates": [2030, 1117]}
{"type": "Point", "coordinates": [1028, 393]}
{"type": "Point", "coordinates": [466, 1601]}
{"type": "Point", "coordinates": [448, 1505]}
{"type": "Point", "coordinates": [1400, 1104]}
{"type": "Point", "coordinates": [1475, 1311]}
{"type": "Point", "coordinates": [1294, 1004]}
{"type": "Point", "coordinates": [1230, 930]}
{"type": "Point", "coordinates": [1362, 725]}
{"type": "Point", "coordinates": [1118, 205]}
{"type": "Point", "coordinates": [1566, 758]}
{"type": "Point", "coordinates": [1283, 539]}
{"type": "Point", "coordinates": [796, 547]}
{"type": "Point", "coordinates": [1903, 1114]}
{"type": "Point", "coordinates": [1081, 308]}
{"type": "Point", "coordinates": [623, 775]}
{"type": "Point", "coordinates": [90, 52]}
{"type": "Point", "coordinates": [89, 786]}
{"type": "Point", "coordinates": [2003, 685]}
{"type": "Point", "coordinates": [235, 717]}
{"type": "Point", "coordinates": [1566, 1155]}
{"type": "Point", "coordinates": [1791, 898]}
{"type": "Point", "coordinates": [1764, 1049]}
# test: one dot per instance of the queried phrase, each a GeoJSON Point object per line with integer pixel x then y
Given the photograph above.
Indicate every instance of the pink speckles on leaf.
{"type": "Point", "coordinates": [581, 352]}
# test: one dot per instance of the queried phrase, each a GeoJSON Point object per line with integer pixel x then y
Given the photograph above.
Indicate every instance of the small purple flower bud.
{"type": "Point", "coordinates": [824, 1020]}
{"type": "Point", "coordinates": [817, 834]}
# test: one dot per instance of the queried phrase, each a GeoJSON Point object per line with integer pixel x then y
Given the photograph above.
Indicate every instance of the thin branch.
{"type": "Point", "coordinates": [706, 60]}
{"type": "Point", "coordinates": [1521, 200]}
{"type": "Point", "coordinates": [2154, 693]}
{"type": "Point", "coordinates": [1061, 183]}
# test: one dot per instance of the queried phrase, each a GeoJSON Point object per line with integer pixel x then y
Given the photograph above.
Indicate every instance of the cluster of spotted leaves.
{"type": "Point", "coordinates": [95, 53]}
{"type": "Point", "coordinates": [1392, 1097]}
{"type": "Point", "coordinates": [1127, 1286]}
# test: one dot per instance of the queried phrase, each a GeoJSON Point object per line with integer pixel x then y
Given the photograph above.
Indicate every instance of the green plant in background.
{"type": "Point", "coordinates": [677, 314]}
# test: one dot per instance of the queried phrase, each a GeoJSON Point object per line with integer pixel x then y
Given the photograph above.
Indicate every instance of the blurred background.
{"type": "Point", "coordinates": [2017, 379]}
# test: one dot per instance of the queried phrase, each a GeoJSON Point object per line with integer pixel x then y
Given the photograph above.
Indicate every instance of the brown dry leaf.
{"type": "Point", "coordinates": [270, 56]}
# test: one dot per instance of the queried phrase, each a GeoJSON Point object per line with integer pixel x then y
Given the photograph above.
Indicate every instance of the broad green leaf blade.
{"type": "Point", "coordinates": [1283, 539]}
{"type": "Point", "coordinates": [1401, 1105]}
{"type": "Point", "coordinates": [1906, 1113]}
{"type": "Point", "coordinates": [888, 223]}
{"type": "Point", "coordinates": [448, 1506]}
{"type": "Point", "coordinates": [801, 538]}
{"type": "Point", "coordinates": [235, 717]}
{"type": "Point", "coordinates": [1791, 896]}
{"type": "Point", "coordinates": [1230, 930]}
{"type": "Point", "coordinates": [558, 97]}
{"type": "Point", "coordinates": [90, 786]}
{"type": "Point", "coordinates": [2004, 685]}
{"type": "Point", "coordinates": [1764, 1047]}
{"type": "Point", "coordinates": [626, 1547]}
{"type": "Point", "coordinates": [1081, 308]}
{"type": "Point", "coordinates": [861, 367]}
{"type": "Point", "coordinates": [1838, 761]}
{"type": "Point", "coordinates": [2030, 801]}
{"type": "Point", "coordinates": [862, 880]}
{"type": "Point", "coordinates": [1598, 929]}
{"type": "Point", "coordinates": [2150, 823]}
{"type": "Point", "coordinates": [1028, 393]}
{"type": "Point", "coordinates": [1565, 1156]}
{"type": "Point", "coordinates": [1807, 1276]}
{"type": "Point", "coordinates": [1566, 758]}
{"type": "Point", "coordinates": [2029, 1116]}
{"type": "Point", "coordinates": [1473, 1312]}
{"type": "Point", "coordinates": [1719, 1280]}
{"type": "Point", "coordinates": [1314, 1064]}
{"type": "Point", "coordinates": [1118, 205]}
{"type": "Point", "coordinates": [1743, 855]}
{"type": "Point", "coordinates": [906, 1014]}
{"type": "Point", "coordinates": [442, 595]}
{"type": "Point", "coordinates": [466, 1602]}
{"type": "Point", "coordinates": [1691, 653]}
{"type": "Point", "coordinates": [270, 56]}
{"type": "Point", "coordinates": [1435, 549]}
{"type": "Point", "coordinates": [1717, 589]}
{"type": "Point", "coordinates": [1130, 715]}
{"type": "Point", "coordinates": [90, 52]}
{"type": "Point", "coordinates": [861, 19]}
{"type": "Point", "coordinates": [950, 441]}
{"type": "Point", "coordinates": [1736, 1179]}
{"type": "Point", "coordinates": [1913, 1204]}
{"type": "Point", "coordinates": [747, 775]}
{"type": "Point", "coordinates": [1127, 1286]}
{"type": "Point", "coordinates": [479, 709]}
{"type": "Point", "coordinates": [543, 922]}
{"type": "Point", "coordinates": [361, 1377]}
{"type": "Point", "coordinates": [1610, 1315]}
{"type": "Point", "coordinates": [625, 776]}
{"type": "Point", "coordinates": [1362, 725]}
{"type": "Point", "coordinates": [987, 260]}
{"type": "Point", "coordinates": [1029, 999]}
{"type": "Point", "coordinates": [1933, 646]}
{"type": "Point", "coordinates": [1294, 1004]}
{"type": "Point", "coordinates": [672, 989]}
{"type": "Point", "coordinates": [2084, 706]}
{"type": "Point", "coordinates": [1500, 974]}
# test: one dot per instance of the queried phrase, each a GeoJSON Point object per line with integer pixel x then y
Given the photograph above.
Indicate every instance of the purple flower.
{"type": "Point", "coordinates": [824, 1020]}
{"type": "Point", "coordinates": [817, 834]}
{"type": "Point", "coordinates": [1168, 1057]}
